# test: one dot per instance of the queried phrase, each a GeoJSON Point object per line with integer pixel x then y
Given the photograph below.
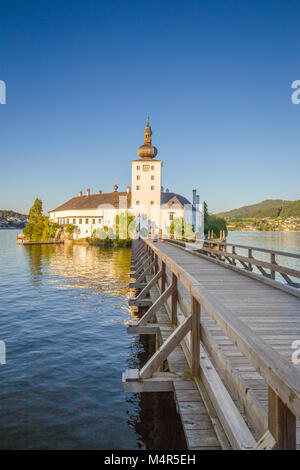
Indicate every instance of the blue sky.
{"type": "Point", "coordinates": [215, 77]}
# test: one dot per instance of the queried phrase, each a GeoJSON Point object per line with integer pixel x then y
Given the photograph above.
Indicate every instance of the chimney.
{"type": "Point", "coordinates": [128, 189]}
{"type": "Point", "coordinates": [88, 191]}
{"type": "Point", "coordinates": [80, 193]}
{"type": "Point", "coordinates": [194, 197]}
{"type": "Point", "coordinates": [100, 191]}
{"type": "Point", "coordinates": [116, 187]}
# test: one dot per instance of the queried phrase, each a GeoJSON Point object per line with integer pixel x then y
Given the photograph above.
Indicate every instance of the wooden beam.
{"type": "Point", "coordinates": [135, 302]}
{"type": "Point", "coordinates": [233, 423]}
{"type": "Point", "coordinates": [244, 260]}
{"type": "Point", "coordinates": [138, 257]}
{"type": "Point", "coordinates": [160, 382]}
{"type": "Point", "coordinates": [250, 256]}
{"type": "Point", "coordinates": [157, 305]}
{"type": "Point", "coordinates": [150, 284]}
{"type": "Point", "coordinates": [282, 423]}
{"type": "Point", "coordinates": [143, 275]}
{"type": "Point", "coordinates": [273, 261]}
{"type": "Point", "coordinates": [163, 276]}
{"type": "Point", "coordinates": [167, 347]}
{"type": "Point", "coordinates": [142, 265]}
{"type": "Point", "coordinates": [235, 383]}
{"type": "Point", "coordinates": [150, 329]}
{"type": "Point", "coordinates": [266, 442]}
{"type": "Point", "coordinates": [174, 300]}
{"type": "Point", "coordinates": [156, 263]}
{"type": "Point", "coordinates": [195, 337]}
{"type": "Point", "coordinates": [137, 285]}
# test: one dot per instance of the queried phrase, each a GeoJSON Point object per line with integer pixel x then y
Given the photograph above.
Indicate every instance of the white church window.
{"type": "Point", "coordinates": [152, 177]}
{"type": "Point", "coordinates": [137, 188]}
{"type": "Point", "coordinates": [152, 203]}
{"type": "Point", "coordinates": [74, 221]}
{"type": "Point", "coordinates": [137, 203]}
{"type": "Point", "coordinates": [67, 221]}
{"type": "Point", "coordinates": [138, 177]}
{"type": "Point", "coordinates": [138, 167]}
{"type": "Point", "coordinates": [152, 167]}
{"type": "Point", "coordinates": [99, 221]}
{"type": "Point", "coordinates": [152, 188]}
{"type": "Point", "coordinates": [86, 221]}
{"type": "Point", "coordinates": [80, 221]}
{"type": "Point", "coordinates": [93, 221]}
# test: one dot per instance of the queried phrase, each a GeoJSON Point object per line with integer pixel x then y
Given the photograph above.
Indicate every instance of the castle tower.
{"type": "Point", "coordinates": [146, 181]}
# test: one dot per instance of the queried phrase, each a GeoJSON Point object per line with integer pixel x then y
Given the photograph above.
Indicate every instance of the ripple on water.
{"type": "Point", "coordinates": [62, 315]}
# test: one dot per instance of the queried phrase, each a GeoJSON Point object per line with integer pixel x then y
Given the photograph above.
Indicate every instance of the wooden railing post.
{"type": "Point", "coordinates": [163, 277]}
{"type": "Point", "coordinates": [156, 263]}
{"type": "Point", "coordinates": [195, 337]}
{"type": "Point", "coordinates": [174, 299]}
{"type": "Point", "coordinates": [273, 261]}
{"type": "Point", "coordinates": [281, 423]}
{"type": "Point", "coordinates": [250, 256]}
{"type": "Point", "coordinates": [233, 251]}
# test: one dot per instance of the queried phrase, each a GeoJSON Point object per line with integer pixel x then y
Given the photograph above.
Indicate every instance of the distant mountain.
{"type": "Point", "coordinates": [10, 213]}
{"type": "Point", "coordinates": [267, 208]}
{"type": "Point", "coordinates": [292, 209]}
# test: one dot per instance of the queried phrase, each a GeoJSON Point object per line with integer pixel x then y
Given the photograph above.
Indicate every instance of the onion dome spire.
{"type": "Point", "coordinates": [147, 150]}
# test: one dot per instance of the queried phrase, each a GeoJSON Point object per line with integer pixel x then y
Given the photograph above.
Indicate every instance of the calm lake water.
{"type": "Point", "coordinates": [279, 241]}
{"type": "Point", "coordinates": [63, 316]}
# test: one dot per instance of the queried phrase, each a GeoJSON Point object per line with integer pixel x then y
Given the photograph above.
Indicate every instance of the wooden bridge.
{"type": "Point", "coordinates": [226, 341]}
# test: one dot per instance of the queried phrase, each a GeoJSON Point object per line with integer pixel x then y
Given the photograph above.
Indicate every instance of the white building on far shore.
{"type": "Point", "coordinates": [153, 208]}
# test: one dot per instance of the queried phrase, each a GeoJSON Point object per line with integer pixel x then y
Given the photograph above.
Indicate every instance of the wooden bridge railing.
{"type": "Point", "coordinates": [220, 250]}
{"type": "Point", "coordinates": [281, 376]}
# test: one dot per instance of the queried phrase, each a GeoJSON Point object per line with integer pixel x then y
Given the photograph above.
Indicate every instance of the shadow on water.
{"type": "Point", "coordinates": [157, 421]}
{"type": "Point", "coordinates": [63, 317]}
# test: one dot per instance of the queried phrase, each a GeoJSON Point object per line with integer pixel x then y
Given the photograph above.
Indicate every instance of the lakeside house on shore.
{"type": "Point", "coordinates": [154, 208]}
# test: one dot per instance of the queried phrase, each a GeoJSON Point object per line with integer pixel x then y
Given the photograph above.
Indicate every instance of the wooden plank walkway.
{"type": "Point", "coordinates": [271, 314]}
{"type": "Point", "coordinates": [196, 421]}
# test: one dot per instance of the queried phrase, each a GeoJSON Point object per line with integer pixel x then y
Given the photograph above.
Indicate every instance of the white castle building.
{"type": "Point", "coordinates": [154, 208]}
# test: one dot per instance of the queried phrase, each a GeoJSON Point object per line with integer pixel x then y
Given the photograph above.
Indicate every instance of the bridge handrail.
{"type": "Point", "coordinates": [219, 250]}
{"type": "Point", "coordinates": [254, 248]}
{"type": "Point", "coordinates": [280, 375]}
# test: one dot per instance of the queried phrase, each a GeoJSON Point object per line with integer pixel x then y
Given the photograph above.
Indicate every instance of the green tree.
{"type": "Point", "coordinates": [213, 223]}
{"type": "Point", "coordinates": [70, 229]}
{"type": "Point", "coordinates": [35, 226]}
{"type": "Point", "coordinates": [125, 226]}
{"type": "Point", "coordinates": [181, 229]}
{"type": "Point", "coordinates": [39, 228]}
{"type": "Point", "coordinates": [206, 217]}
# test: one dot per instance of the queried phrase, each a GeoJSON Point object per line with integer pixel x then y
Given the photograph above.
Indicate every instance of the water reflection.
{"type": "Point", "coordinates": [81, 267]}
{"type": "Point", "coordinates": [74, 349]}
{"type": "Point", "coordinates": [38, 256]}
